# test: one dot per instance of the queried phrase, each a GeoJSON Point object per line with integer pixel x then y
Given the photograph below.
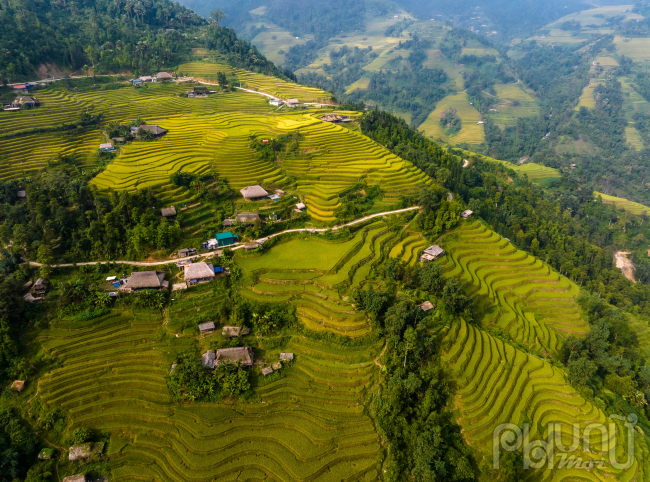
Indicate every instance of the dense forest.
{"type": "Point", "coordinates": [102, 36]}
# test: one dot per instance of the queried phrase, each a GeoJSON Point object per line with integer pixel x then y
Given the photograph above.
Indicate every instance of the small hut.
{"type": "Point", "coordinates": [76, 478]}
{"type": "Point", "coordinates": [466, 214]}
{"type": "Point", "coordinates": [168, 212]}
{"type": "Point", "coordinates": [426, 306]}
{"type": "Point", "coordinates": [18, 385]}
{"type": "Point", "coordinates": [277, 365]}
{"type": "Point", "coordinates": [431, 253]}
{"type": "Point", "coordinates": [207, 327]}
{"type": "Point", "coordinates": [286, 356]}
{"type": "Point", "coordinates": [267, 371]}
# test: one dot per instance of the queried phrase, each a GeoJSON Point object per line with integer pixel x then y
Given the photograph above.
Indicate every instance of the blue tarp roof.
{"type": "Point", "coordinates": [227, 235]}
{"type": "Point", "coordinates": [218, 270]}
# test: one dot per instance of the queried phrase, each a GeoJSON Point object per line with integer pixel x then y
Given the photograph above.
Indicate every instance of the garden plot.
{"type": "Point", "coordinates": [500, 384]}
{"type": "Point", "coordinates": [516, 292]}
{"type": "Point", "coordinates": [470, 133]}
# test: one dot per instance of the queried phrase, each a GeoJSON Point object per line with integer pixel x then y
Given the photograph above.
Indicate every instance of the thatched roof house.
{"type": "Point", "coordinates": [157, 131]}
{"type": "Point", "coordinates": [431, 253]}
{"type": "Point", "coordinates": [331, 118]}
{"type": "Point", "coordinates": [252, 193]}
{"type": "Point", "coordinates": [199, 272]}
{"type": "Point", "coordinates": [286, 356]}
{"type": "Point", "coordinates": [243, 355]}
{"type": "Point", "coordinates": [18, 385]}
{"type": "Point", "coordinates": [168, 212]}
{"type": "Point", "coordinates": [267, 371]}
{"type": "Point", "coordinates": [293, 102]}
{"type": "Point", "coordinates": [277, 365]}
{"type": "Point", "coordinates": [145, 280]}
{"type": "Point", "coordinates": [185, 252]}
{"type": "Point", "coordinates": [207, 327]}
{"type": "Point", "coordinates": [40, 286]}
{"type": "Point", "coordinates": [163, 76]}
{"type": "Point", "coordinates": [426, 306]}
{"type": "Point", "coordinates": [234, 331]}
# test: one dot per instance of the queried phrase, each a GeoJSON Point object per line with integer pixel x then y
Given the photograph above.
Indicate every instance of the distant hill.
{"type": "Point", "coordinates": [101, 36]}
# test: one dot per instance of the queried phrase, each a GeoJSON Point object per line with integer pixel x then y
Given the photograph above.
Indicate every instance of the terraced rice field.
{"type": "Point", "coordinates": [517, 292]}
{"type": "Point", "coordinates": [535, 172]}
{"type": "Point", "coordinates": [587, 98]}
{"type": "Point", "coordinates": [263, 83]}
{"type": "Point", "coordinates": [500, 384]}
{"type": "Point", "coordinates": [471, 132]}
{"type": "Point", "coordinates": [338, 157]}
{"type": "Point", "coordinates": [515, 103]}
{"type": "Point", "coordinates": [619, 202]}
{"type": "Point", "coordinates": [638, 49]}
{"type": "Point", "coordinates": [307, 272]}
{"type": "Point", "coordinates": [308, 425]}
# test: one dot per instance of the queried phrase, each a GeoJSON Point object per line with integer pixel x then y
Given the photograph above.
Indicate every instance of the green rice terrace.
{"type": "Point", "coordinates": [308, 272]}
{"type": "Point", "coordinates": [310, 424]}
{"type": "Point", "coordinates": [519, 294]}
{"type": "Point", "coordinates": [501, 384]}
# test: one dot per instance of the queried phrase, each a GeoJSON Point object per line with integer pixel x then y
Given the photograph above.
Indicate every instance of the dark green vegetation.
{"type": "Point", "coordinates": [100, 36]}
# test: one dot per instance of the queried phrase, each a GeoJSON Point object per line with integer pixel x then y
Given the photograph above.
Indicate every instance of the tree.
{"type": "Point", "coordinates": [581, 371]}
{"type": "Point", "coordinates": [431, 278]}
{"type": "Point", "coordinates": [46, 258]}
{"type": "Point", "coordinates": [221, 80]}
{"type": "Point", "coordinates": [81, 435]}
{"type": "Point", "coordinates": [217, 16]}
{"type": "Point", "coordinates": [454, 297]}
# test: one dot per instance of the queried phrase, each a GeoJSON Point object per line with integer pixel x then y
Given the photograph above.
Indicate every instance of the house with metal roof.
{"type": "Point", "coordinates": [431, 253]}
{"type": "Point", "coordinates": [466, 214]}
{"type": "Point", "coordinates": [199, 273]}
{"type": "Point", "coordinates": [145, 280]}
{"type": "Point", "coordinates": [107, 147]}
{"type": "Point", "coordinates": [253, 193]}
{"type": "Point", "coordinates": [226, 239]}
{"type": "Point", "coordinates": [207, 327]}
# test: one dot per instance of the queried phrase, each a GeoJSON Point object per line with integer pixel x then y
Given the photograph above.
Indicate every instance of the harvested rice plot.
{"type": "Point", "coordinates": [471, 131]}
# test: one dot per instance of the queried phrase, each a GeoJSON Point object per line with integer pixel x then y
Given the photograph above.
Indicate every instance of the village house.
{"type": "Point", "coordinates": [286, 356]}
{"type": "Point", "coordinates": [200, 90]}
{"type": "Point", "coordinates": [136, 82]}
{"type": "Point", "coordinates": [40, 288]}
{"type": "Point", "coordinates": [331, 118]}
{"type": "Point", "coordinates": [163, 77]}
{"type": "Point", "coordinates": [169, 212]}
{"type": "Point", "coordinates": [145, 280]}
{"type": "Point", "coordinates": [146, 78]}
{"type": "Point", "coordinates": [199, 273]}
{"type": "Point", "coordinates": [86, 450]}
{"type": "Point", "coordinates": [466, 214]}
{"type": "Point", "coordinates": [293, 102]}
{"type": "Point", "coordinates": [106, 147]}
{"type": "Point", "coordinates": [244, 218]}
{"type": "Point", "coordinates": [300, 207]}
{"type": "Point", "coordinates": [18, 385]}
{"type": "Point", "coordinates": [253, 193]}
{"type": "Point", "coordinates": [242, 355]}
{"type": "Point", "coordinates": [21, 89]}
{"type": "Point", "coordinates": [431, 253]}
{"type": "Point", "coordinates": [277, 365]}
{"type": "Point", "coordinates": [157, 131]}
{"type": "Point", "coordinates": [251, 246]}
{"type": "Point", "coordinates": [426, 306]}
{"type": "Point", "coordinates": [235, 331]}
{"type": "Point", "coordinates": [185, 252]}
{"type": "Point", "coordinates": [76, 478]}
{"type": "Point", "coordinates": [276, 102]}
{"type": "Point", "coordinates": [207, 327]}
{"type": "Point", "coordinates": [267, 371]}
{"type": "Point", "coordinates": [22, 194]}
{"type": "Point", "coordinates": [25, 102]}
{"type": "Point", "coordinates": [225, 239]}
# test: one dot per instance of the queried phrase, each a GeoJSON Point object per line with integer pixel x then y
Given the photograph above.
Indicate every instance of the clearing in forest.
{"type": "Point", "coordinates": [471, 132]}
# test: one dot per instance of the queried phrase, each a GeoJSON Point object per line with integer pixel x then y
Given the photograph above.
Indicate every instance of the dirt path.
{"type": "Point", "coordinates": [625, 265]}
{"type": "Point", "coordinates": [207, 255]}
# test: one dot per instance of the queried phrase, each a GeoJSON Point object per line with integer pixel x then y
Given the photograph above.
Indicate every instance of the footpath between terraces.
{"type": "Point", "coordinates": [205, 255]}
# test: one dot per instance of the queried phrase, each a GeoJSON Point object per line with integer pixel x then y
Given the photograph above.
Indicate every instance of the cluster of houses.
{"type": "Point", "coordinates": [288, 102]}
{"type": "Point", "coordinates": [200, 91]}
{"type": "Point", "coordinates": [243, 356]}
{"type": "Point", "coordinates": [335, 118]}
{"type": "Point", "coordinates": [23, 101]}
{"type": "Point", "coordinates": [159, 77]}
{"type": "Point", "coordinates": [134, 133]}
